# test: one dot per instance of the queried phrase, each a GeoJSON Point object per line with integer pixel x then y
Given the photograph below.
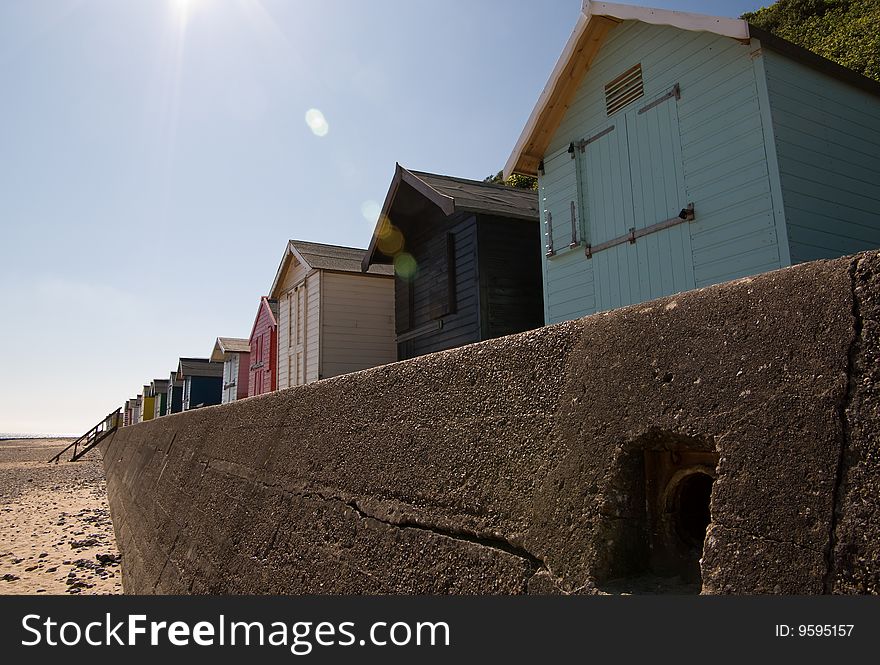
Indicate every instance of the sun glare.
{"type": "Point", "coordinates": [184, 8]}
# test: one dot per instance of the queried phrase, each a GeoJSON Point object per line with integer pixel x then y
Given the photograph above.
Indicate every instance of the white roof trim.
{"type": "Point", "coordinates": [219, 353]}
{"type": "Point", "coordinates": [289, 251]}
{"type": "Point", "coordinates": [727, 27]}
{"type": "Point", "coordinates": [546, 93]}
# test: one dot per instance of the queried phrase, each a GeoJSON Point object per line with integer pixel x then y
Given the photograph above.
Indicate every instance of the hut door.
{"type": "Point", "coordinates": [298, 314]}
{"type": "Point", "coordinates": [607, 197]}
{"type": "Point", "coordinates": [631, 178]}
{"type": "Point", "coordinates": [257, 354]}
{"type": "Point", "coordinates": [657, 169]}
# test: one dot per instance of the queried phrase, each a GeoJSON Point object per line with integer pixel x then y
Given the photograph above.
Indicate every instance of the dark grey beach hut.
{"type": "Point", "coordinates": [467, 261]}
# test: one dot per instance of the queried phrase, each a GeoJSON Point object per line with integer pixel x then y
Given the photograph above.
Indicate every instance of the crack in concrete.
{"type": "Point", "coordinates": [534, 564]}
{"type": "Point", "coordinates": [271, 544]}
{"type": "Point", "coordinates": [306, 490]}
{"type": "Point", "coordinates": [492, 542]}
{"type": "Point", "coordinates": [855, 347]}
{"type": "Point", "coordinates": [334, 495]}
{"type": "Point", "coordinates": [171, 445]}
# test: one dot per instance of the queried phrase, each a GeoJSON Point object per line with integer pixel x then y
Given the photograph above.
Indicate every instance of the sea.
{"type": "Point", "coordinates": [18, 435]}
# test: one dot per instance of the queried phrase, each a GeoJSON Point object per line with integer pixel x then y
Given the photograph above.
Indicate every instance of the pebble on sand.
{"type": "Point", "coordinates": [47, 510]}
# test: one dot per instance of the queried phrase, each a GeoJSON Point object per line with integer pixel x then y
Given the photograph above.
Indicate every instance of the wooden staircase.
{"type": "Point", "coordinates": [93, 437]}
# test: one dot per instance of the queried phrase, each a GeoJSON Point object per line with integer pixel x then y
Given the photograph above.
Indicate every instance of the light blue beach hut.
{"type": "Point", "coordinates": [678, 150]}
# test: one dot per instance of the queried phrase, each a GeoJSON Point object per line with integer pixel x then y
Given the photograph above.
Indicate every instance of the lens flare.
{"type": "Point", "coordinates": [405, 266]}
{"type": "Point", "coordinates": [390, 240]}
{"type": "Point", "coordinates": [317, 123]}
{"type": "Point", "coordinates": [371, 211]}
{"type": "Point", "coordinates": [385, 227]}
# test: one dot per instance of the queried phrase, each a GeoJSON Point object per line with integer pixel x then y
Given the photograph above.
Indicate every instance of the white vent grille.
{"type": "Point", "coordinates": [623, 90]}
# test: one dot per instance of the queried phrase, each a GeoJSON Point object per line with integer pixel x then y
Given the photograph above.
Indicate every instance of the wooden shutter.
{"type": "Point", "coordinates": [451, 304]}
{"type": "Point", "coordinates": [403, 295]}
{"type": "Point", "coordinates": [558, 190]}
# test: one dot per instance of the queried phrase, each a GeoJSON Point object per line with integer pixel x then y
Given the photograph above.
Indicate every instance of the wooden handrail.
{"type": "Point", "coordinates": [91, 438]}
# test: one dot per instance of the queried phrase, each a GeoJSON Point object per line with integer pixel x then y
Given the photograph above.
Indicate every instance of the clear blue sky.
{"type": "Point", "coordinates": [154, 159]}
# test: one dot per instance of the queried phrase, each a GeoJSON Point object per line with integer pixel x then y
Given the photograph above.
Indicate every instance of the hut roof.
{"type": "Point", "coordinates": [198, 367]}
{"type": "Point", "coordinates": [319, 256]}
{"type": "Point", "coordinates": [159, 386]}
{"type": "Point", "coordinates": [452, 194]}
{"type": "Point", "coordinates": [590, 32]}
{"type": "Point", "coordinates": [226, 345]}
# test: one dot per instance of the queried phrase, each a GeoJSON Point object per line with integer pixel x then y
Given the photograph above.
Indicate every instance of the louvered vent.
{"type": "Point", "coordinates": [624, 89]}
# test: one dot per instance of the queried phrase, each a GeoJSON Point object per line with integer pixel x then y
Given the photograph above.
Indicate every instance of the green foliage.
{"type": "Point", "coordinates": [845, 31]}
{"type": "Point", "coordinates": [515, 180]}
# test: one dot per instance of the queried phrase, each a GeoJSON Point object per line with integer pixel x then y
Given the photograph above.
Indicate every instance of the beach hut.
{"type": "Point", "coordinates": [332, 318]}
{"type": "Point", "coordinates": [263, 343]}
{"type": "Point", "coordinates": [136, 410]}
{"type": "Point", "coordinates": [175, 393]}
{"type": "Point", "coordinates": [159, 388]}
{"type": "Point", "coordinates": [467, 258]}
{"type": "Point", "coordinates": [677, 150]}
{"type": "Point", "coordinates": [234, 353]}
{"type": "Point", "coordinates": [147, 404]}
{"type": "Point", "coordinates": [202, 382]}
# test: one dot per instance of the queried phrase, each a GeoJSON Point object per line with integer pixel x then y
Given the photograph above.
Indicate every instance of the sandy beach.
{"type": "Point", "coordinates": [56, 536]}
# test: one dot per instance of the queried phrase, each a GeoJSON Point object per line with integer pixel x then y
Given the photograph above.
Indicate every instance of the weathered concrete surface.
{"type": "Point", "coordinates": [856, 564]}
{"type": "Point", "coordinates": [514, 465]}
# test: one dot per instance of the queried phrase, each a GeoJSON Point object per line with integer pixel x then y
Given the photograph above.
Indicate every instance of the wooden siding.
{"type": "Point", "coordinates": [569, 287]}
{"type": "Point", "coordinates": [230, 374]}
{"type": "Point", "coordinates": [200, 391]}
{"type": "Point", "coordinates": [357, 323]}
{"type": "Point", "coordinates": [175, 403]}
{"type": "Point", "coordinates": [511, 297]}
{"type": "Point", "coordinates": [423, 301]}
{"type": "Point", "coordinates": [235, 377]}
{"type": "Point", "coordinates": [298, 353]}
{"type": "Point", "coordinates": [313, 316]}
{"type": "Point", "coordinates": [148, 408]}
{"type": "Point", "coordinates": [242, 381]}
{"type": "Point", "coordinates": [827, 138]}
{"type": "Point", "coordinates": [160, 405]}
{"type": "Point", "coordinates": [263, 362]}
{"type": "Point", "coordinates": [723, 171]}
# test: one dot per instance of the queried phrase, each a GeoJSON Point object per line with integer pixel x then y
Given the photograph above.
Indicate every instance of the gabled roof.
{"type": "Point", "coordinates": [272, 306]}
{"type": "Point", "coordinates": [198, 367]}
{"type": "Point", "coordinates": [159, 386]}
{"type": "Point", "coordinates": [590, 32]}
{"type": "Point", "coordinates": [174, 381]}
{"type": "Point", "coordinates": [328, 257]}
{"type": "Point", "coordinates": [317, 256]}
{"type": "Point", "coordinates": [451, 195]}
{"type": "Point", "coordinates": [588, 36]}
{"type": "Point", "coordinates": [226, 345]}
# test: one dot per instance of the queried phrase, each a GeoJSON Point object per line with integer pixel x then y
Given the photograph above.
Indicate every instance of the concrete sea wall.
{"type": "Point", "coordinates": [583, 457]}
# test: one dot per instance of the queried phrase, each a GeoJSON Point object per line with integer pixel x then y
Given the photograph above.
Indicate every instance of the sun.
{"type": "Point", "coordinates": [184, 8]}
